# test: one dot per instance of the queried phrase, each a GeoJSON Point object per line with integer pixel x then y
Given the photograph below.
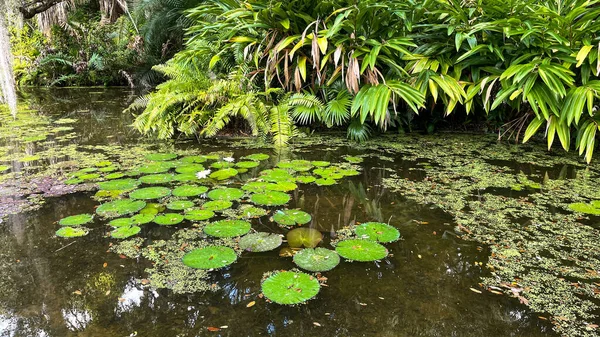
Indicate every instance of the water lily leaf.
{"type": "Point", "coordinates": [257, 157]}
{"type": "Point", "coordinates": [221, 165]}
{"type": "Point", "coordinates": [290, 287]}
{"type": "Point", "coordinates": [73, 181]}
{"type": "Point", "coordinates": [90, 176]}
{"type": "Point", "coordinates": [304, 237]}
{"type": "Point", "coordinates": [150, 193]}
{"type": "Point", "coordinates": [4, 168]}
{"type": "Point", "coordinates": [354, 160]}
{"type": "Point", "coordinates": [194, 159]}
{"type": "Point", "coordinates": [152, 209]}
{"type": "Point", "coordinates": [160, 156]}
{"type": "Point", "coordinates": [255, 186]}
{"type": "Point", "coordinates": [198, 214]}
{"type": "Point", "coordinates": [157, 178]}
{"type": "Point", "coordinates": [76, 220]}
{"type": "Point", "coordinates": [224, 174]}
{"type": "Point", "coordinates": [270, 198]}
{"type": "Point", "coordinates": [115, 176]}
{"type": "Point", "coordinates": [260, 242]}
{"type": "Point", "coordinates": [189, 190]}
{"type": "Point", "coordinates": [282, 186]}
{"type": "Point", "coordinates": [189, 168]}
{"type": "Point", "coordinates": [325, 182]}
{"type": "Point", "coordinates": [142, 218]}
{"type": "Point", "coordinates": [70, 232]}
{"type": "Point", "coordinates": [168, 219]}
{"type": "Point", "coordinates": [178, 205]}
{"type": "Point", "coordinates": [361, 250]}
{"type": "Point", "coordinates": [103, 163]}
{"type": "Point", "coordinates": [377, 231]}
{"type": "Point", "coordinates": [108, 169]}
{"type": "Point", "coordinates": [349, 173]}
{"type": "Point", "coordinates": [154, 168]}
{"type": "Point", "coordinates": [120, 207]}
{"type": "Point", "coordinates": [217, 205]}
{"type": "Point", "coordinates": [275, 175]}
{"type": "Point", "coordinates": [120, 184]}
{"type": "Point", "coordinates": [185, 177]}
{"type": "Point", "coordinates": [584, 208]}
{"type": "Point", "coordinates": [291, 217]}
{"type": "Point", "coordinates": [317, 260]}
{"type": "Point", "coordinates": [248, 211]}
{"type": "Point", "coordinates": [125, 232]}
{"type": "Point", "coordinates": [318, 163]}
{"type": "Point", "coordinates": [227, 193]}
{"type": "Point", "coordinates": [121, 222]}
{"type": "Point", "coordinates": [305, 179]}
{"type": "Point", "coordinates": [227, 228]}
{"type": "Point", "coordinates": [247, 164]}
{"type": "Point", "coordinates": [212, 257]}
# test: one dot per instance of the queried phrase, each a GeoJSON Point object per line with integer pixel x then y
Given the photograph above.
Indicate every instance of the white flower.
{"type": "Point", "coordinates": [229, 159]}
{"type": "Point", "coordinates": [202, 174]}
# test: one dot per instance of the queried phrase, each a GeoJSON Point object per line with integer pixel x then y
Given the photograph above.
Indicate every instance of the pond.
{"type": "Point", "coordinates": [452, 273]}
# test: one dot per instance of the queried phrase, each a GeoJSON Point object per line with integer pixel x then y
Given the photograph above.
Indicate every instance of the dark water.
{"type": "Point", "coordinates": [61, 287]}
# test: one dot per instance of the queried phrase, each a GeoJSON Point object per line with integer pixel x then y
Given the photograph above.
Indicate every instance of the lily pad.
{"type": "Point", "coordinates": [212, 257]}
{"type": "Point", "coordinates": [115, 176]}
{"type": "Point", "coordinates": [255, 186]}
{"type": "Point", "coordinates": [178, 205]}
{"type": "Point", "coordinates": [125, 232]}
{"type": "Point", "coordinates": [217, 205]}
{"type": "Point", "coordinates": [194, 159]}
{"type": "Point", "coordinates": [4, 168]}
{"type": "Point", "coordinates": [247, 164]}
{"type": "Point", "coordinates": [325, 182]}
{"type": "Point", "coordinates": [168, 219]}
{"type": "Point", "coordinates": [120, 207]}
{"type": "Point", "coordinates": [224, 174]}
{"type": "Point", "coordinates": [257, 157]}
{"type": "Point", "coordinates": [319, 163]}
{"type": "Point", "coordinates": [160, 156]}
{"type": "Point", "coordinates": [157, 178]}
{"type": "Point", "coordinates": [189, 190]}
{"type": "Point", "coordinates": [305, 179]}
{"type": "Point", "coordinates": [154, 168]}
{"type": "Point", "coordinates": [377, 231]}
{"type": "Point", "coordinates": [152, 209]}
{"type": "Point", "coordinates": [260, 242]}
{"type": "Point", "coordinates": [71, 232]}
{"type": "Point", "coordinates": [142, 218]}
{"type": "Point", "coordinates": [291, 217]}
{"type": "Point", "coordinates": [353, 159]}
{"type": "Point", "coordinates": [270, 198]}
{"type": "Point", "coordinates": [248, 211]}
{"type": "Point", "coordinates": [185, 177]}
{"type": "Point", "coordinates": [150, 193]}
{"type": "Point", "coordinates": [317, 260]}
{"type": "Point", "coordinates": [119, 184]}
{"type": "Point", "coordinates": [227, 228]}
{"type": "Point", "coordinates": [584, 208]}
{"type": "Point", "coordinates": [76, 220]}
{"type": "Point", "coordinates": [275, 175]}
{"type": "Point", "coordinates": [198, 214]}
{"type": "Point", "coordinates": [221, 165]}
{"type": "Point", "coordinates": [304, 237]}
{"type": "Point", "coordinates": [189, 168]}
{"type": "Point", "coordinates": [361, 250]}
{"type": "Point", "coordinates": [121, 222]}
{"type": "Point", "coordinates": [290, 287]}
{"type": "Point", "coordinates": [282, 186]}
{"type": "Point", "coordinates": [228, 193]}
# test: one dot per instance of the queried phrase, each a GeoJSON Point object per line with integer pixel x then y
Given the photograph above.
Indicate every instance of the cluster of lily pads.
{"type": "Point", "coordinates": [214, 193]}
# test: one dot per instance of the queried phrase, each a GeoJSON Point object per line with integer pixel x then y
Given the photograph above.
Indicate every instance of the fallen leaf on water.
{"type": "Point", "coordinates": [212, 328]}
{"type": "Point", "coordinates": [475, 290]}
{"type": "Point", "coordinates": [251, 304]}
{"type": "Point", "coordinates": [145, 281]}
{"type": "Point", "coordinates": [122, 256]}
{"type": "Point", "coordinates": [316, 324]}
{"type": "Point", "coordinates": [224, 326]}
{"type": "Point", "coordinates": [104, 265]}
{"type": "Point", "coordinates": [591, 326]}
{"type": "Point", "coordinates": [107, 293]}
{"type": "Point", "coordinates": [77, 292]}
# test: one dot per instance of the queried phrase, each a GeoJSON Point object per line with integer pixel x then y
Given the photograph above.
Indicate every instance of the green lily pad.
{"type": "Point", "coordinates": [160, 156]}
{"type": "Point", "coordinates": [377, 231]}
{"type": "Point", "coordinates": [304, 237]}
{"type": "Point", "coordinates": [120, 207]}
{"type": "Point", "coordinates": [584, 208]}
{"type": "Point", "coordinates": [125, 232]}
{"type": "Point", "coordinates": [103, 163]}
{"type": "Point", "coordinates": [212, 257]}
{"type": "Point", "coordinates": [275, 175]}
{"type": "Point", "coordinates": [178, 205]}
{"type": "Point", "coordinates": [189, 190]}
{"type": "Point", "coordinates": [150, 193]}
{"type": "Point", "coordinates": [108, 169]}
{"type": "Point", "coordinates": [189, 168]}
{"type": "Point", "coordinates": [305, 179]}
{"type": "Point", "coordinates": [257, 157]}
{"type": "Point", "coordinates": [260, 242]}
{"type": "Point", "coordinates": [194, 159]}
{"type": "Point", "coordinates": [114, 176]}
{"type": "Point", "coordinates": [291, 217]}
{"type": "Point", "coordinates": [227, 193]}
{"type": "Point", "coordinates": [90, 176]}
{"type": "Point", "coordinates": [317, 260]}
{"type": "Point", "coordinates": [157, 178]}
{"type": "Point", "coordinates": [270, 198]}
{"type": "Point", "coordinates": [325, 182]}
{"type": "Point", "coordinates": [198, 214]}
{"type": "Point", "coordinates": [221, 165]}
{"type": "Point", "coordinates": [120, 185]}
{"type": "Point", "coordinates": [4, 168]}
{"type": "Point", "coordinates": [247, 164]}
{"type": "Point", "coordinates": [227, 228]}
{"type": "Point", "coordinates": [142, 218]}
{"type": "Point", "coordinates": [76, 220]}
{"type": "Point", "coordinates": [319, 163]}
{"type": "Point", "coordinates": [121, 222]}
{"type": "Point", "coordinates": [185, 177]}
{"type": "Point", "coordinates": [354, 160]}
{"type": "Point", "coordinates": [70, 232]}
{"type": "Point", "coordinates": [349, 173]}
{"type": "Point", "coordinates": [73, 181]}
{"type": "Point", "coordinates": [152, 209]}
{"type": "Point", "coordinates": [247, 212]}
{"type": "Point", "coordinates": [168, 219]}
{"type": "Point", "coordinates": [224, 174]}
{"type": "Point", "coordinates": [154, 168]}
{"type": "Point", "coordinates": [282, 186]}
{"type": "Point", "coordinates": [255, 186]}
{"type": "Point", "coordinates": [217, 205]}
{"type": "Point", "coordinates": [289, 287]}
{"type": "Point", "coordinates": [361, 250]}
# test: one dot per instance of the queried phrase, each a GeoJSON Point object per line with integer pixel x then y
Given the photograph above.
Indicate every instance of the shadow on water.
{"type": "Point", "coordinates": [60, 287]}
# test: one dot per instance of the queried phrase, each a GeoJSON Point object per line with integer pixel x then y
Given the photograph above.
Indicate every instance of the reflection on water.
{"type": "Point", "coordinates": [57, 287]}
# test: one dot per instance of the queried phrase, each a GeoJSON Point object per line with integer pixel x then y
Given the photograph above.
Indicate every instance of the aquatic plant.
{"type": "Point", "coordinates": [227, 228]}
{"type": "Point", "coordinates": [247, 164]}
{"type": "Point", "coordinates": [377, 231]}
{"type": "Point", "coordinates": [125, 232]}
{"type": "Point", "coordinates": [249, 211]}
{"type": "Point", "coordinates": [306, 179]}
{"type": "Point", "coordinates": [71, 232]}
{"type": "Point", "coordinates": [194, 159]}
{"type": "Point", "coordinates": [276, 175]}
{"type": "Point", "coordinates": [141, 219]}
{"type": "Point", "coordinates": [291, 217]}
{"type": "Point", "coordinates": [178, 205]}
{"type": "Point", "coordinates": [282, 186]}
{"type": "Point", "coordinates": [212, 257]}
{"type": "Point", "coordinates": [198, 214]}
{"type": "Point", "coordinates": [148, 193]}
{"type": "Point", "coordinates": [160, 156]}
{"type": "Point", "coordinates": [168, 219]}
{"type": "Point", "coordinates": [270, 198]}
{"type": "Point", "coordinates": [260, 242]}
{"type": "Point", "coordinates": [120, 207]}
{"type": "Point", "coordinates": [227, 193]}
{"type": "Point", "coordinates": [76, 220]}
{"type": "Point", "coordinates": [361, 250]}
{"type": "Point", "coordinates": [320, 163]}
{"type": "Point", "coordinates": [189, 190]}
{"type": "Point", "coordinates": [153, 168]}
{"type": "Point", "coordinates": [152, 208]}
{"type": "Point", "coordinates": [217, 205]}
{"type": "Point", "coordinates": [354, 159]}
{"type": "Point", "coordinates": [257, 157]}
{"type": "Point", "coordinates": [224, 174]}
{"type": "Point", "coordinates": [304, 237]}
{"type": "Point", "coordinates": [120, 184]}
{"type": "Point", "coordinates": [289, 287]}
{"type": "Point", "coordinates": [189, 168]}
{"type": "Point", "coordinates": [121, 222]}
{"type": "Point", "coordinates": [585, 208]}
{"type": "Point", "coordinates": [255, 186]}
{"type": "Point", "coordinates": [185, 177]}
{"type": "Point", "coordinates": [317, 259]}
{"type": "Point", "coordinates": [325, 182]}
{"type": "Point", "coordinates": [156, 178]}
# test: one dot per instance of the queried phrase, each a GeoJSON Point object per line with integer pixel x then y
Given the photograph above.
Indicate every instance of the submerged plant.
{"type": "Point", "coordinates": [290, 287]}
{"type": "Point", "coordinates": [212, 257]}
{"type": "Point", "coordinates": [304, 237]}
{"type": "Point", "coordinates": [317, 259]}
